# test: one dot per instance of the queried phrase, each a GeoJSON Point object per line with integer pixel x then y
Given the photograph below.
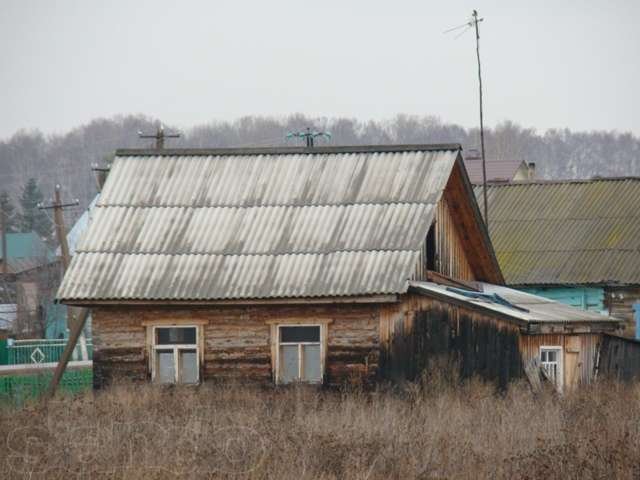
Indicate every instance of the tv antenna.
{"type": "Point", "coordinates": [159, 136]}
{"type": "Point", "coordinates": [308, 136]}
{"type": "Point", "coordinates": [473, 23]}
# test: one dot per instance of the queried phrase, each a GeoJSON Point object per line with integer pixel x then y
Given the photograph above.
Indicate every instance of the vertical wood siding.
{"type": "Point", "coordinates": [579, 354]}
{"type": "Point", "coordinates": [423, 333]}
{"type": "Point", "coordinates": [623, 307]}
{"type": "Point", "coordinates": [619, 358]}
{"type": "Point", "coordinates": [450, 250]}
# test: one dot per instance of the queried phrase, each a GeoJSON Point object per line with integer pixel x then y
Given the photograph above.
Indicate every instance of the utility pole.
{"type": "Point", "coordinates": [476, 21]}
{"type": "Point", "coordinates": [308, 136]}
{"type": "Point", "coordinates": [76, 316]}
{"type": "Point", "coordinates": [3, 226]}
{"type": "Point", "coordinates": [473, 23]}
{"type": "Point", "coordinates": [159, 136]}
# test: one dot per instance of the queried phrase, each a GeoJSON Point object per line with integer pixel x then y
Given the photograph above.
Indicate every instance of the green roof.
{"type": "Point", "coordinates": [25, 245]}
{"type": "Point", "coordinates": [566, 232]}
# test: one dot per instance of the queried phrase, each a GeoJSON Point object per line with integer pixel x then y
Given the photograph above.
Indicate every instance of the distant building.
{"type": "Point", "coordinates": [29, 277]}
{"type": "Point", "coordinates": [499, 171]}
{"type": "Point", "coordinates": [574, 241]}
{"type": "Point", "coordinates": [328, 265]}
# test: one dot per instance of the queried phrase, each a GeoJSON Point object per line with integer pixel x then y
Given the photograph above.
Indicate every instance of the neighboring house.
{"type": "Point", "coordinates": [32, 273]}
{"type": "Point", "coordinates": [327, 265]}
{"type": "Point", "coordinates": [574, 241]}
{"type": "Point", "coordinates": [499, 171]}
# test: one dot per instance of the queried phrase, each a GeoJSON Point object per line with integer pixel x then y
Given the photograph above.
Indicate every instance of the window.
{"type": "Point", "coordinates": [551, 361]}
{"type": "Point", "coordinates": [430, 250]}
{"type": "Point", "coordinates": [299, 353]}
{"type": "Point", "coordinates": [175, 355]}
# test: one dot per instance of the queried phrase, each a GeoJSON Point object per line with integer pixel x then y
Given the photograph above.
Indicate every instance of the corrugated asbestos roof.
{"type": "Point", "coordinates": [233, 224]}
{"type": "Point", "coordinates": [533, 309]}
{"type": "Point", "coordinates": [566, 232]}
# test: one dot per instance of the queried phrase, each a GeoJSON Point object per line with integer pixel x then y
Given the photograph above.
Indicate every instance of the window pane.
{"type": "Point", "coordinates": [288, 363]}
{"type": "Point", "coordinates": [176, 335]}
{"type": "Point", "coordinates": [188, 366]}
{"type": "Point", "coordinates": [552, 356]}
{"type": "Point", "coordinates": [543, 356]}
{"type": "Point", "coordinates": [299, 334]}
{"type": "Point", "coordinates": [311, 363]}
{"type": "Point", "coordinates": [166, 369]}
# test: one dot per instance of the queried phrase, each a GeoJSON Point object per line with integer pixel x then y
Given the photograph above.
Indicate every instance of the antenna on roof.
{"type": "Point", "coordinates": [159, 136]}
{"type": "Point", "coordinates": [309, 136]}
{"type": "Point", "coordinates": [473, 22]}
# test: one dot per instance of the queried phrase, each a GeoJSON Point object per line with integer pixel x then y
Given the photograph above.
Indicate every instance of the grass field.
{"type": "Point", "coordinates": [436, 429]}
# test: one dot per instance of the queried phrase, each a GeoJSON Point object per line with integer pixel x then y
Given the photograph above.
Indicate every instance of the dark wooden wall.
{"type": "Point", "coordinates": [619, 358]}
{"type": "Point", "coordinates": [422, 332]}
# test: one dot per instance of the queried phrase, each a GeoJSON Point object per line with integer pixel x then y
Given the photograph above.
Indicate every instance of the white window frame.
{"type": "Point", "coordinates": [321, 342]}
{"type": "Point", "coordinates": [559, 362]}
{"type": "Point", "coordinates": [176, 353]}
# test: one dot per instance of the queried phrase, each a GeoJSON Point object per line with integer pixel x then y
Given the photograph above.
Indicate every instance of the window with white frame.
{"type": "Point", "coordinates": [175, 355]}
{"type": "Point", "coordinates": [551, 361]}
{"type": "Point", "coordinates": [299, 353]}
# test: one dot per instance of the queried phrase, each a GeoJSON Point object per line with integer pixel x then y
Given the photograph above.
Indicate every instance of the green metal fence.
{"type": "Point", "coordinates": [22, 352]}
{"type": "Point", "coordinates": [16, 389]}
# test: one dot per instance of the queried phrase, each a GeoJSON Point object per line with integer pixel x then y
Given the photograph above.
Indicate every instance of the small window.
{"type": "Point", "coordinates": [430, 249]}
{"type": "Point", "coordinates": [175, 353]}
{"type": "Point", "coordinates": [299, 349]}
{"type": "Point", "coordinates": [551, 361]}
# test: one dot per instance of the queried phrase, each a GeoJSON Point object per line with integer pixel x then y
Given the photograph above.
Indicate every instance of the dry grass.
{"type": "Point", "coordinates": [432, 430]}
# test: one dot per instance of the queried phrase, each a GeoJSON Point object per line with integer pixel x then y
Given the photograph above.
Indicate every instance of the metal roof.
{"type": "Point", "coordinates": [264, 223]}
{"type": "Point", "coordinates": [528, 308]}
{"type": "Point", "coordinates": [566, 232]}
{"type": "Point", "coordinates": [497, 170]}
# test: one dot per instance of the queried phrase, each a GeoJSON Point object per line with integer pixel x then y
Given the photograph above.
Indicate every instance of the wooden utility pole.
{"type": "Point", "coordinates": [3, 226]}
{"type": "Point", "coordinates": [473, 23]}
{"type": "Point", "coordinates": [76, 317]}
{"type": "Point", "coordinates": [159, 136]}
{"type": "Point", "coordinates": [476, 21]}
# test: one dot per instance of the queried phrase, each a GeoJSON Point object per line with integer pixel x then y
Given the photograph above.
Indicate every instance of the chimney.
{"type": "Point", "coordinates": [532, 170]}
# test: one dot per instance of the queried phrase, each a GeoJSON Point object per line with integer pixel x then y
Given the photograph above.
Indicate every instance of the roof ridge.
{"type": "Point", "coordinates": [288, 150]}
{"type": "Point", "coordinates": [542, 181]}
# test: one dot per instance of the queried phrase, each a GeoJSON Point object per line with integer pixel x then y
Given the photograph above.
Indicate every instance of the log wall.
{"type": "Point", "coordinates": [236, 343]}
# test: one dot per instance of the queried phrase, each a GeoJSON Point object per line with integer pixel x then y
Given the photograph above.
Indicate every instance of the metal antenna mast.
{"type": "Point", "coordinates": [308, 136]}
{"type": "Point", "coordinates": [159, 136]}
{"type": "Point", "coordinates": [473, 23]}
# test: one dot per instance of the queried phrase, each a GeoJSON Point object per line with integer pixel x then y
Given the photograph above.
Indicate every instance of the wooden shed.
{"type": "Point", "coordinates": [285, 264]}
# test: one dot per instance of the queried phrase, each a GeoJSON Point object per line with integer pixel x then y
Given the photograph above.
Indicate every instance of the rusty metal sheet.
{"type": "Point", "coordinates": [264, 225]}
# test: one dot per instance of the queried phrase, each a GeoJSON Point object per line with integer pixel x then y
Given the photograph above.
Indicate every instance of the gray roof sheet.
{"type": "Point", "coordinates": [221, 224]}
{"type": "Point", "coordinates": [566, 232]}
{"type": "Point", "coordinates": [538, 309]}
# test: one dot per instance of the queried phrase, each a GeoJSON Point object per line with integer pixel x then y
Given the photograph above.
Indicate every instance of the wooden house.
{"type": "Point", "coordinates": [574, 241]}
{"type": "Point", "coordinates": [326, 265]}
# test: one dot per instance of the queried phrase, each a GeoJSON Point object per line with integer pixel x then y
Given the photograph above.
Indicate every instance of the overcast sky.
{"type": "Point", "coordinates": [546, 63]}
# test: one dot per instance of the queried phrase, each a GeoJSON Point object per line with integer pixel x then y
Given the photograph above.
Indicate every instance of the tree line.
{"type": "Point", "coordinates": [67, 158]}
